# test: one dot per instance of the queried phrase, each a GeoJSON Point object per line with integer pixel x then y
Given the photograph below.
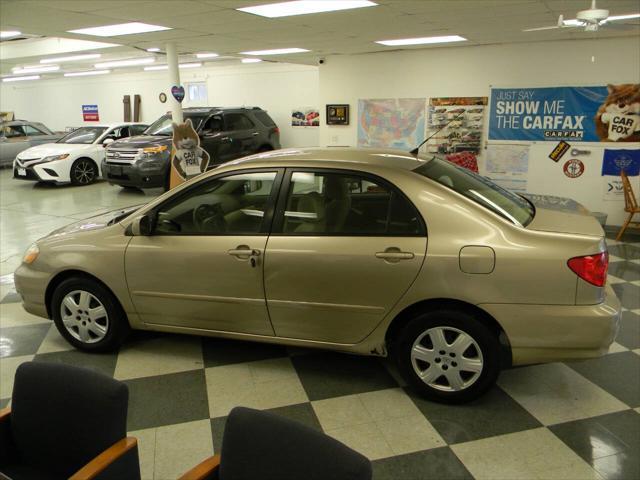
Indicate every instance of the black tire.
{"type": "Point", "coordinates": [117, 326]}
{"type": "Point", "coordinates": [84, 171]}
{"type": "Point", "coordinates": [450, 322]}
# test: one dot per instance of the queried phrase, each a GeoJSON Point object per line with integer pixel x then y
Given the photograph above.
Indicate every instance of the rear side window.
{"type": "Point", "coordinates": [479, 189]}
{"type": "Point", "coordinates": [264, 118]}
{"type": "Point", "coordinates": [237, 121]}
{"type": "Point", "coordinates": [347, 204]}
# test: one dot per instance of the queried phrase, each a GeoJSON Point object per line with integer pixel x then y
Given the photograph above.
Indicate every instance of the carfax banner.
{"type": "Point", "coordinates": [576, 114]}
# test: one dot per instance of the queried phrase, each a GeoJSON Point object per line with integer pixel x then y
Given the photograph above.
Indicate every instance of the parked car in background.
{"type": "Point", "coordinates": [75, 158]}
{"type": "Point", "coordinates": [18, 135]}
{"type": "Point", "coordinates": [225, 133]}
{"type": "Point", "coordinates": [367, 251]}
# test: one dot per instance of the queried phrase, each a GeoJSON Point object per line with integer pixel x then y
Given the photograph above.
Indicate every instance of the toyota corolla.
{"type": "Point", "coordinates": [374, 252]}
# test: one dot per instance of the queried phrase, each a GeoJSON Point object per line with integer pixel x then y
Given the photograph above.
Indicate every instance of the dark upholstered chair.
{"type": "Point", "coordinates": [261, 445]}
{"type": "Point", "coordinates": [66, 422]}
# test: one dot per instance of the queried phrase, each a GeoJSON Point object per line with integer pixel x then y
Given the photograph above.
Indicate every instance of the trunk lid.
{"type": "Point", "coordinates": [562, 215]}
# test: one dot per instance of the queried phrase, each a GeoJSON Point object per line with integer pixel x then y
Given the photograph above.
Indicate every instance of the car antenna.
{"type": "Point", "coordinates": [417, 149]}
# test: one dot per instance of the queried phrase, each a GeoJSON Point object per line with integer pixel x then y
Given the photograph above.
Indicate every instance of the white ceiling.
{"type": "Point", "coordinates": [215, 25]}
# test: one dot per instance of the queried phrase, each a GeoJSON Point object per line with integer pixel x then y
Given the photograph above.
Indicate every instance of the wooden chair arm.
{"type": "Point", "coordinates": [203, 469]}
{"type": "Point", "coordinates": [5, 413]}
{"type": "Point", "coordinates": [106, 458]}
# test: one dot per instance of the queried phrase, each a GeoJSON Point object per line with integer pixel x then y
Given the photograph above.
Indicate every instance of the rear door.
{"type": "Point", "coordinates": [344, 249]}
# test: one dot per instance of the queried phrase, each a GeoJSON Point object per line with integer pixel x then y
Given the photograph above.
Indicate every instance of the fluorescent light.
{"type": "Point", "coordinates": [36, 69]}
{"type": "Point", "coordinates": [88, 72]}
{"type": "Point", "coordinates": [207, 55]}
{"type": "Point", "coordinates": [277, 51]}
{"type": "Point", "coordinates": [126, 63]}
{"type": "Point", "coordinates": [623, 17]}
{"type": "Point", "coordinates": [153, 49]}
{"type": "Point", "coordinates": [251, 60]}
{"type": "Point", "coordinates": [119, 29]}
{"type": "Point", "coordinates": [10, 33]}
{"type": "Point", "coordinates": [166, 67]}
{"type": "Point", "coordinates": [20, 79]}
{"type": "Point", "coordinates": [72, 58]}
{"type": "Point", "coordinates": [422, 40]}
{"type": "Point", "coordinates": [304, 7]}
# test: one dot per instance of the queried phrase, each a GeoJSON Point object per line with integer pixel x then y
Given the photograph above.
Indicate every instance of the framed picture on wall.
{"type": "Point", "coordinates": [338, 114]}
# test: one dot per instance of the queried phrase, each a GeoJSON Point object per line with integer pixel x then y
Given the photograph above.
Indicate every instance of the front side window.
{"type": "Point", "coordinates": [231, 205]}
{"type": "Point", "coordinates": [13, 131]}
{"type": "Point", "coordinates": [31, 131]}
{"type": "Point", "coordinates": [83, 135]}
{"type": "Point", "coordinates": [479, 189]}
{"type": "Point", "coordinates": [347, 204]}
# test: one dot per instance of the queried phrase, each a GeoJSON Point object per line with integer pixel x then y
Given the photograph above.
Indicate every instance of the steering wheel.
{"type": "Point", "coordinates": [209, 218]}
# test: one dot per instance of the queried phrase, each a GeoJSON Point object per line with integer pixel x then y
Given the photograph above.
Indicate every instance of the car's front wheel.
{"type": "Point", "coordinates": [84, 171]}
{"type": "Point", "coordinates": [448, 355]}
{"type": "Point", "coordinates": [88, 315]}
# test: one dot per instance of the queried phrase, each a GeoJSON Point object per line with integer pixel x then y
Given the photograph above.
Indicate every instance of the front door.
{"type": "Point", "coordinates": [243, 134]}
{"type": "Point", "coordinates": [216, 141]}
{"type": "Point", "coordinates": [344, 249]}
{"type": "Point", "coordinates": [202, 267]}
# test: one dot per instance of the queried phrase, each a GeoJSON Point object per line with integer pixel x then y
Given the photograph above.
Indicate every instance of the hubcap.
{"type": "Point", "coordinates": [84, 172]}
{"type": "Point", "coordinates": [447, 359]}
{"type": "Point", "coordinates": [84, 316]}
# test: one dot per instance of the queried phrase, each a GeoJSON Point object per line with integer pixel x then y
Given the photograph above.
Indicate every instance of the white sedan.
{"type": "Point", "coordinates": [75, 158]}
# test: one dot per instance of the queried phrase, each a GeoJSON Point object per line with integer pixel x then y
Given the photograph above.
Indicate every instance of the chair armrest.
{"type": "Point", "coordinates": [204, 470]}
{"type": "Point", "coordinates": [7, 448]}
{"type": "Point", "coordinates": [118, 451]}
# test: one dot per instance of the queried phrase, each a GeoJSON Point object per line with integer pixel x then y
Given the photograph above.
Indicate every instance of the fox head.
{"type": "Point", "coordinates": [184, 136]}
{"type": "Point", "coordinates": [623, 99]}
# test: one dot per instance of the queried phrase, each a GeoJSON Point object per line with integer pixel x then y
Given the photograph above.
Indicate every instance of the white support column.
{"type": "Point", "coordinates": [174, 79]}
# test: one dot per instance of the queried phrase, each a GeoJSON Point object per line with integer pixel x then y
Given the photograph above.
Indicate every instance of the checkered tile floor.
{"type": "Point", "coordinates": [578, 420]}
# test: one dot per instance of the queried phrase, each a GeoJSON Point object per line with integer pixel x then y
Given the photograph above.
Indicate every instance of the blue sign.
{"type": "Point", "coordinates": [553, 114]}
{"type": "Point", "coordinates": [616, 160]}
{"type": "Point", "coordinates": [90, 113]}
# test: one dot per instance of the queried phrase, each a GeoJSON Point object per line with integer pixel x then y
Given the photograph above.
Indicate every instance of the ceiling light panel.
{"type": "Point", "coordinates": [422, 40]}
{"type": "Point", "coordinates": [72, 58]}
{"type": "Point", "coordinates": [166, 67]}
{"type": "Point", "coordinates": [207, 55]}
{"type": "Point", "coordinates": [87, 73]}
{"type": "Point", "coordinates": [119, 29]}
{"type": "Point", "coordinates": [9, 33]}
{"type": "Point", "coordinates": [36, 69]}
{"type": "Point", "coordinates": [21, 79]}
{"type": "Point", "coordinates": [132, 62]}
{"type": "Point", "coordinates": [305, 7]}
{"type": "Point", "coordinates": [251, 60]}
{"type": "Point", "coordinates": [277, 51]}
{"type": "Point", "coordinates": [153, 49]}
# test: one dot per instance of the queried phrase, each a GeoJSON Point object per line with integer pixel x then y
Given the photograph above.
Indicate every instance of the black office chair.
{"type": "Point", "coordinates": [261, 445]}
{"type": "Point", "coordinates": [66, 422]}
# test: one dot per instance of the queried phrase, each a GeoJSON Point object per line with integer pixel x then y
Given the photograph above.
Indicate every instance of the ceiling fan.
{"type": "Point", "coordinates": [591, 20]}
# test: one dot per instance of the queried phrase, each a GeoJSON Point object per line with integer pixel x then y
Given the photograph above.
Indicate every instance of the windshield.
{"type": "Point", "coordinates": [162, 126]}
{"type": "Point", "coordinates": [479, 189]}
{"type": "Point", "coordinates": [85, 135]}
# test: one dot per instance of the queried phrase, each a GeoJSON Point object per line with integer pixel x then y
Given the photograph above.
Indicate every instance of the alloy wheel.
{"type": "Point", "coordinates": [84, 172]}
{"type": "Point", "coordinates": [447, 359]}
{"type": "Point", "coordinates": [84, 316]}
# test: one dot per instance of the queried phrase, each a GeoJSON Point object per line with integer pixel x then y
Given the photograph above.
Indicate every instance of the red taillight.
{"type": "Point", "coordinates": [276, 130]}
{"type": "Point", "coordinates": [591, 268]}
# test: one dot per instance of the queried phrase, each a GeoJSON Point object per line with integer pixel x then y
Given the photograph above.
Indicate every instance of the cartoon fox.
{"type": "Point", "coordinates": [189, 159]}
{"type": "Point", "coordinates": [618, 118]}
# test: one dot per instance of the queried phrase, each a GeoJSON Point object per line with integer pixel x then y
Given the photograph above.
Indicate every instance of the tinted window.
{"type": "Point", "coordinates": [13, 131]}
{"type": "Point", "coordinates": [234, 204]}
{"type": "Point", "coordinates": [84, 135]}
{"type": "Point", "coordinates": [479, 189]}
{"type": "Point", "coordinates": [346, 204]}
{"type": "Point", "coordinates": [237, 121]}
{"type": "Point", "coordinates": [264, 118]}
{"type": "Point", "coordinates": [137, 129]}
{"type": "Point", "coordinates": [214, 124]}
{"type": "Point", "coordinates": [162, 126]}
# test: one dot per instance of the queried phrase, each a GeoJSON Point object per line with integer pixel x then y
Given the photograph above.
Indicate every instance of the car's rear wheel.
{"type": "Point", "coordinates": [88, 315]}
{"type": "Point", "coordinates": [448, 355]}
{"type": "Point", "coordinates": [84, 171]}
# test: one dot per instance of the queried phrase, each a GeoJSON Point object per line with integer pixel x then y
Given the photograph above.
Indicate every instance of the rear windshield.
{"type": "Point", "coordinates": [479, 189]}
{"type": "Point", "coordinates": [163, 126]}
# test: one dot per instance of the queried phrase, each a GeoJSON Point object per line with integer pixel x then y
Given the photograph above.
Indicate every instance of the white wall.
{"type": "Point", "coordinates": [275, 87]}
{"type": "Point", "coordinates": [471, 71]}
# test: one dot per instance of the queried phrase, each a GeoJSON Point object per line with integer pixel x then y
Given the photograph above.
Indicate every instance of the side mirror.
{"type": "Point", "coordinates": [107, 141]}
{"type": "Point", "coordinates": [142, 225]}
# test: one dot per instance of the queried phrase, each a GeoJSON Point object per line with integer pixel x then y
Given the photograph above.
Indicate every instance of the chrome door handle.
{"type": "Point", "coordinates": [255, 134]}
{"type": "Point", "coordinates": [225, 139]}
{"type": "Point", "coordinates": [395, 256]}
{"type": "Point", "coordinates": [244, 252]}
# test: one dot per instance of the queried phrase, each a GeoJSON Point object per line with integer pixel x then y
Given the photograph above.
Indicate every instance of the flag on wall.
{"type": "Point", "coordinates": [616, 160]}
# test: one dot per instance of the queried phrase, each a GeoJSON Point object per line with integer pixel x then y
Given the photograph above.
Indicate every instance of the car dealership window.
{"type": "Point", "coordinates": [231, 205]}
{"type": "Point", "coordinates": [197, 94]}
{"type": "Point", "coordinates": [347, 204]}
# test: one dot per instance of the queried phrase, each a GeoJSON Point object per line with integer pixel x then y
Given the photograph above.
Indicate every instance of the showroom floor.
{"type": "Point", "coordinates": [573, 420]}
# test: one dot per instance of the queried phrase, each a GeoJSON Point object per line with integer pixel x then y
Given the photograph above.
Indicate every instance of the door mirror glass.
{"type": "Point", "coordinates": [143, 225]}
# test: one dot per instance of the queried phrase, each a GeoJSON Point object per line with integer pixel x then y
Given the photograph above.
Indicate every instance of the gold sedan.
{"type": "Point", "coordinates": [373, 252]}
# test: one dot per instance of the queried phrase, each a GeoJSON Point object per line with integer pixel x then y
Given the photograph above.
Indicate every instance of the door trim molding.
{"type": "Point", "coordinates": [202, 298]}
{"type": "Point", "coordinates": [327, 306]}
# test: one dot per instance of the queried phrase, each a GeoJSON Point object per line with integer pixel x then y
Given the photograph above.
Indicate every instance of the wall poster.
{"type": "Point", "coordinates": [90, 113]}
{"type": "Point", "coordinates": [391, 122]}
{"type": "Point", "coordinates": [613, 162]}
{"type": "Point", "coordinates": [576, 114]}
{"type": "Point", "coordinates": [508, 165]}
{"type": "Point", "coordinates": [456, 124]}
{"type": "Point", "coordinates": [305, 117]}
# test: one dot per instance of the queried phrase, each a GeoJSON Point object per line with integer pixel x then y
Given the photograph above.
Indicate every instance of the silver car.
{"type": "Point", "coordinates": [18, 135]}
